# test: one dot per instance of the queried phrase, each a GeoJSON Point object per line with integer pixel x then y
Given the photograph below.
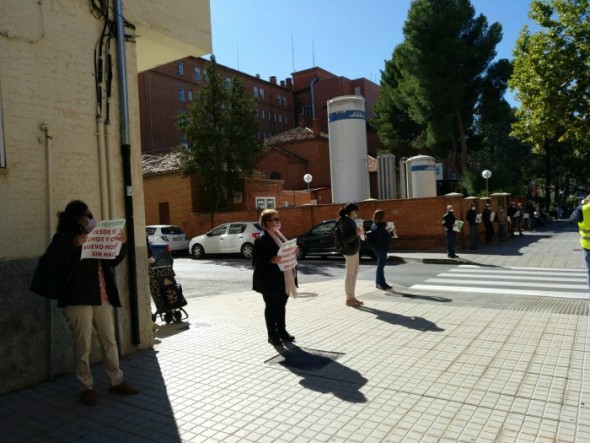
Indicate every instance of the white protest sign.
{"type": "Point", "coordinates": [288, 252]}
{"type": "Point", "coordinates": [104, 240]}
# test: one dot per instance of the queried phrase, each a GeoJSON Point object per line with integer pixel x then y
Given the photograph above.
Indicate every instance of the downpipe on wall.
{"type": "Point", "coordinates": [50, 303]}
{"type": "Point", "coordinates": [126, 157]}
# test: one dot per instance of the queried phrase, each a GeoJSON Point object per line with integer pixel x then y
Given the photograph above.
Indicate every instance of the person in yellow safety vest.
{"type": "Point", "coordinates": [581, 215]}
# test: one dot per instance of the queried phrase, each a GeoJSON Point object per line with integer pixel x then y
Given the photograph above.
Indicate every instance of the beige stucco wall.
{"type": "Point", "coordinates": [47, 77]}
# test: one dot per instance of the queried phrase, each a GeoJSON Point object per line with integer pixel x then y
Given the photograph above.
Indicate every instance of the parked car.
{"type": "Point", "coordinates": [173, 235]}
{"type": "Point", "coordinates": [161, 253]}
{"type": "Point", "coordinates": [229, 238]}
{"type": "Point", "coordinates": [319, 241]}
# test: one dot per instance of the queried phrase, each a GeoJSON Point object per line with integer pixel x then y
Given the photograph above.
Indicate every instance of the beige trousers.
{"type": "Point", "coordinates": [81, 319]}
{"type": "Point", "coordinates": [352, 270]}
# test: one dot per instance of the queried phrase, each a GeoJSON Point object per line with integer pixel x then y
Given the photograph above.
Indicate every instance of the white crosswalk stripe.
{"type": "Point", "coordinates": [545, 282]}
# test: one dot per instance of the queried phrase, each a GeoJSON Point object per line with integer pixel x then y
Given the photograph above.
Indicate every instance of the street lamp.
{"type": "Point", "coordinates": [486, 174]}
{"type": "Point", "coordinates": [307, 178]}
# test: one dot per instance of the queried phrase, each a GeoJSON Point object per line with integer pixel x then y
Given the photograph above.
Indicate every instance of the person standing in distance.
{"type": "Point", "coordinates": [351, 245]}
{"type": "Point", "coordinates": [581, 215]}
{"type": "Point", "coordinates": [381, 237]}
{"type": "Point", "coordinates": [88, 298]}
{"type": "Point", "coordinates": [471, 218]}
{"type": "Point", "coordinates": [448, 222]}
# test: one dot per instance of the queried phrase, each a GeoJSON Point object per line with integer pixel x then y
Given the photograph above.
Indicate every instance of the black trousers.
{"type": "Point", "coordinates": [274, 313]}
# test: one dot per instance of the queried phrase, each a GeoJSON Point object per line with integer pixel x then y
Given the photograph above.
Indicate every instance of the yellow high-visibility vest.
{"type": "Point", "coordinates": [584, 227]}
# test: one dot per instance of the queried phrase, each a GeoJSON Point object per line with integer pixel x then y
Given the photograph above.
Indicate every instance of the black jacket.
{"type": "Point", "coordinates": [471, 216]}
{"type": "Point", "coordinates": [82, 287]}
{"type": "Point", "coordinates": [449, 221]}
{"type": "Point", "coordinates": [351, 243]}
{"type": "Point", "coordinates": [268, 277]}
{"type": "Point", "coordinates": [380, 237]}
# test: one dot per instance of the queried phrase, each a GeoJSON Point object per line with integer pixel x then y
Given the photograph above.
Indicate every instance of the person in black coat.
{"type": "Point", "coordinates": [486, 217]}
{"type": "Point", "coordinates": [381, 237]}
{"type": "Point", "coordinates": [88, 297]}
{"type": "Point", "coordinates": [448, 222]}
{"type": "Point", "coordinates": [350, 243]}
{"type": "Point", "coordinates": [471, 218]}
{"type": "Point", "coordinates": [269, 280]}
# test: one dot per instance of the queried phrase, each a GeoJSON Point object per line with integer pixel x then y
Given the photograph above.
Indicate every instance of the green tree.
{"type": "Point", "coordinates": [552, 73]}
{"type": "Point", "coordinates": [552, 82]}
{"type": "Point", "coordinates": [439, 71]}
{"type": "Point", "coordinates": [221, 127]}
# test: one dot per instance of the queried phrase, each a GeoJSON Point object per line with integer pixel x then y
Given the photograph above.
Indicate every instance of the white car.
{"type": "Point", "coordinates": [229, 238]}
{"type": "Point", "coordinates": [173, 235]}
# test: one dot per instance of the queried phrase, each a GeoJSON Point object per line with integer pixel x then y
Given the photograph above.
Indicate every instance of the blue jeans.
{"type": "Point", "coordinates": [380, 274]}
{"type": "Point", "coordinates": [451, 237]}
{"type": "Point", "coordinates": [587, 261]}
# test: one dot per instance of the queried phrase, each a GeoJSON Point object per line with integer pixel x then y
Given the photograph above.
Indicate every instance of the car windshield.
{"type": "Point", "coordinates": [172, 230]}
{"type": "Point", "coordinates": [150, 231]}
{"type": "Point", "coordinates": [324, 227]}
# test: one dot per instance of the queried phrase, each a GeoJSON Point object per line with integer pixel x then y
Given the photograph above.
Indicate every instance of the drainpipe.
{"type": "Point", "coordinates": [126, 156]}
{"type": "Point", "coordinates": [313, 81]}
{"type": "Point", "coordinates": [50, 304]}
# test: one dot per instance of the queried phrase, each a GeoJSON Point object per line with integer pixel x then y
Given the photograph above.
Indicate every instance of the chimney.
{"type": "Point", "coordinates": [315, 127]}
{"type": "Point", "coordinates": [273, 80]}
{"type": "Point", "coordinates": [302, 122]}
{"type": "Point", "coordinates": [283, 83]}
{"type": "Point", "coordinates": [289, 83]}
{"type": "Point", "coordinates": [257, 75]}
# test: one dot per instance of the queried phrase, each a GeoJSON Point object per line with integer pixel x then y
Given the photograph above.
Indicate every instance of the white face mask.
{"type": "Point", "coordinates": [91, 225]}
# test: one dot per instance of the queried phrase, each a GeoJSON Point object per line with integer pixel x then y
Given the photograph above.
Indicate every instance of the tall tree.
{"type": "Point", "coordinates": [439, 69]}
{"type": "Point", "coordinates": [221, 127]}
{"type": "Point", "coordinates": [552, 73]}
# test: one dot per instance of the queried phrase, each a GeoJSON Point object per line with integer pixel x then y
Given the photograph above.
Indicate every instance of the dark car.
{"type": "Point", "coordinates": [319, 241]}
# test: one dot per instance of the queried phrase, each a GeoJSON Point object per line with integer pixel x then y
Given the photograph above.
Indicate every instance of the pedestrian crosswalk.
{"type": "Point", "coordinates": [544, 282]}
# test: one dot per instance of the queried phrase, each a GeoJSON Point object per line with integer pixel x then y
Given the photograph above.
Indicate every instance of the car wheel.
{"type": "Point", "coordinates": [198, 251]}
{"type": "Point", "coordinates": [247, 250]}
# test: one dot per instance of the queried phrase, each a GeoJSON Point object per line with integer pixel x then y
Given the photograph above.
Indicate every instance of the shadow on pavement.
{"type": "Point", "coordinates": [428, 297]}
{"type": "Point", "coordinates": [324, 374]}
{"type": "Point", "coordinates": [418, 323]}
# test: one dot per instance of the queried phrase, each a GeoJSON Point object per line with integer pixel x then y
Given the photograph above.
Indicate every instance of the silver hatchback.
{"type": "Point", "coordinates": [229, 238]}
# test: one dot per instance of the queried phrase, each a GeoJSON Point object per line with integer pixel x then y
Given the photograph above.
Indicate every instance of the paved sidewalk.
{"type": "Point", "coordinates": [406, 367]}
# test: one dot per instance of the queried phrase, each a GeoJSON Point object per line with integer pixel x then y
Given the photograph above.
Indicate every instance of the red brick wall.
{"type": "Point", "coordinates": [171, 189]}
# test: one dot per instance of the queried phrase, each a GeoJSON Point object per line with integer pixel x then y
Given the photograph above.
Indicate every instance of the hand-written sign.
{"type": "Point", "coordinates": [288, 252]}
{"type": "Point", "coordinates": [104, 242]}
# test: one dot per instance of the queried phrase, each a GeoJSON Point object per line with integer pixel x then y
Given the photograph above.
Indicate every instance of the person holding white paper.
{"type": "Point", "coordinates": [274, 284]}
{"type": "Point", "coordinates": [448, 222]}
{"type": "Point", "coordinates": [87, 298]}
{"type": "Point", "coordinates": [349, 234]}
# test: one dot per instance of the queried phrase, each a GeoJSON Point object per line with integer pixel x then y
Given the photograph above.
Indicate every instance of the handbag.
{"type": "Point", "coordinates": [50, 281]}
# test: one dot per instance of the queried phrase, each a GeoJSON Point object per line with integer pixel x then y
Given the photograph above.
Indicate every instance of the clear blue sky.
{"type": "Point", "coordinates": [346, 37]}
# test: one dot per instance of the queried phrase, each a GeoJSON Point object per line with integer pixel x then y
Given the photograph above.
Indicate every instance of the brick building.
{"type": "Point", "coordinates": [168, 90]}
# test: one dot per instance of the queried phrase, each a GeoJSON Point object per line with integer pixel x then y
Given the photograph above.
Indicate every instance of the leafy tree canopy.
{"type": "Point", "coordinates": [221, 127]}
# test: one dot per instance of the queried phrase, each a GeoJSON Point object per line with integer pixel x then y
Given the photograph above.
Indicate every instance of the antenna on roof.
{"type": "Point", "coordinates": [292, 53]}
{"type": "Point", "coordinates": [313, 53]}
{"type": "Point", "coordinates": [238, 54]}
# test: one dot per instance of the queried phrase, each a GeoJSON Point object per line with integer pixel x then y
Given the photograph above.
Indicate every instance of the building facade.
{"type": "Point", "coordinates": [64, 135]}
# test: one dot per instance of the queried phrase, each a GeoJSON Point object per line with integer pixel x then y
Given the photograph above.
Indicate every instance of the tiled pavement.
{"type": "Point", "coordinates": [407, 367]}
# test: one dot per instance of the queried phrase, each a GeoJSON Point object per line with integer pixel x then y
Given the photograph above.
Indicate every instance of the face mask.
{"type": "Point", "coordinates": [278, 225]}
{"type": "Point", "coordinates": [91, 225]}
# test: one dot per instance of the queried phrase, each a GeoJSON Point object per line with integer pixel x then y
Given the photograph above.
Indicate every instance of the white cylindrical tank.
{"type": "Point", "coordinates": [422, 175]}
{"type": "Point", "coordinates": [348, 149]}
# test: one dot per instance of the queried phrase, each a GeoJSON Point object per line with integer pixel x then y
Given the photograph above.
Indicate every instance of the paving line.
{"type": "Point", "coordinates": [487, 290]}
{"type": "Point", "coordinates": [510, 276]}
{"type": "Point", "coordinates": [506, 283]}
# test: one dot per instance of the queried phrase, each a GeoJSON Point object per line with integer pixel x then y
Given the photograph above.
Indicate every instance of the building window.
{"type": "Point", "coordinates": [265, 202]}
{"type": "Point", "coordinates": [180, 93]}
{"type": "Point", "coordinates": [255, 91]}
{"type": "Point", "coordinates": [197, 74]}
{"type": "Point", "coordinates": [227, 82]}
{"type": "Point", "coordinates": [2, 152]}
{"type": "Point", "coordinates": [285, 120]}
{"type": "Point", "coordinates": [237, 197]}
{"type": "Point", "coordinates": [190, 96]}
{"type": "Point", "coordinates": [179, 68]}
{"type": "Point", "coordinates": [263, 114]}
{"type": "Point", "coordinates": [357, 90]}
{"type": "Point", "coordinates": [261, 93]}
{"type": "Point", "coordinates": [284, 100]}
{"type": "Point", "coordinates": [280, 118]}
{"type": "Point", "coordinates": [306, 110]}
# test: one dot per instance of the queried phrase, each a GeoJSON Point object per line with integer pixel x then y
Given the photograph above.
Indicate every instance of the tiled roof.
{"type": "Point", "coordinates": [371, 164]}
{"type": "Point", "coordinates": [160, 164]}
{"type": "Point", "coordinates": [293, 135]}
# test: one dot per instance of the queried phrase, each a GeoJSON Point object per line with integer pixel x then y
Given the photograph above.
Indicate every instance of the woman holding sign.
{"type": "Point", "coordinates": [273, 275]}
{"type": "Point", "coordinates": [88, 296]}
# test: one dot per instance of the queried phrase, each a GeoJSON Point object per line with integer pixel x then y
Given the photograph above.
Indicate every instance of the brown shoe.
{"type": "Point", "coordinates": [123, 389]}
{"type": "Point", "coordinates": [353, 302]}
{"type": "Point", "coordinates": [88, 398]}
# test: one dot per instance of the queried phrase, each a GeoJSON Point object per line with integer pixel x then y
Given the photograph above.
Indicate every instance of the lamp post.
{"type": "Point", "coordinates": [486, 174]}
{"type": "Point", "coordinates": [307, 178]}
